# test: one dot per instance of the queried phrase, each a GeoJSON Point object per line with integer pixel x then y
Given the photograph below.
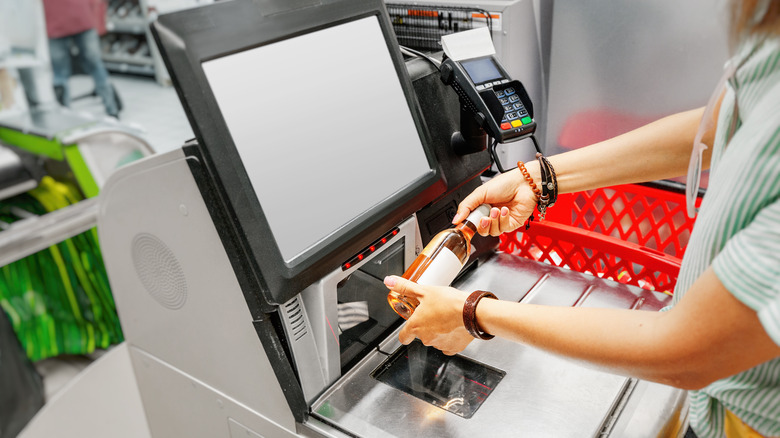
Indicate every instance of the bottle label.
{"type": "Point", "coordinates": [442, 270]}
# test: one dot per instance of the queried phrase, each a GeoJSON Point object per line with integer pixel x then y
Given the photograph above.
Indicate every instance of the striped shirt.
{"type": "Point", "coordinates": [737, 232]}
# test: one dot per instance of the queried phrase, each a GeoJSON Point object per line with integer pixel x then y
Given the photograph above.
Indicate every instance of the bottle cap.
{"type": "Point", "coordinates": [478, 213]}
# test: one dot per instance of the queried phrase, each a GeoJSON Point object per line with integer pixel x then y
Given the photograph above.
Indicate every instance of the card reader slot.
{"type": "Point", "coordinates": [389, 262]}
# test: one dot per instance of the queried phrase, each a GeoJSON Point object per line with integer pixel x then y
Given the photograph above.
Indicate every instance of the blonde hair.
{"type": "Point", "coordinates": [755, 17]}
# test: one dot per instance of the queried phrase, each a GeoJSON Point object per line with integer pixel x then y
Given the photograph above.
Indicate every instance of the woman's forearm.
{"type": "Point", "coordinates": [708, 335]}
{"type": "Point", "coordinates": [659, 150]}
{"type": "Point", "coordinates": [623, 341]}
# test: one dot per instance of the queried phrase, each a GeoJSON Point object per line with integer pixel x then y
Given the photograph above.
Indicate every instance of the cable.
{"type": "Point", "coordinates": [488, 20]}
{"type": "Point", "coordinates": [494, 155]}
{"type": "Point", "coordinates": [417, 54]}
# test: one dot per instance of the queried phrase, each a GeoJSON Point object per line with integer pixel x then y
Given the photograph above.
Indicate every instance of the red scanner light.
{"type": "Point", "coordinates": [368, 250]}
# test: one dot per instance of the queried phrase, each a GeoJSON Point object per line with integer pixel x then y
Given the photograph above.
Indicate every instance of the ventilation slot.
{"type": "Point", "coordinates": [295, 319]}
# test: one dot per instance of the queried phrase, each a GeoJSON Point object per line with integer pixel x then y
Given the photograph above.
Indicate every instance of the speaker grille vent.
{"type": "Point", "coordinates": [159, 271]}
{"type": "Point", "coordinates": [296, 320]}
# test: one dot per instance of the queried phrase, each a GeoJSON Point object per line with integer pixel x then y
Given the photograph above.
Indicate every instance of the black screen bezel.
{"type": "Point", "coordinates": [187, 39]}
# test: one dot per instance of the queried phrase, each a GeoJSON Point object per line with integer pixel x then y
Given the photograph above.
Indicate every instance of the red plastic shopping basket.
{"type": "Point", "coordinates": [632, 234]}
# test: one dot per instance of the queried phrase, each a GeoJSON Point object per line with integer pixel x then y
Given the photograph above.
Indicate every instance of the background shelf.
{"type": "Point", "coordinates": [127, 44]}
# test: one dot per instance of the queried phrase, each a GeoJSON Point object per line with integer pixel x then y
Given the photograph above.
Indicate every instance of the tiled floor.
{"type": "Point", "coordinates": [58, 371]}
{"type": "Point", "coordinates": [147, 105]}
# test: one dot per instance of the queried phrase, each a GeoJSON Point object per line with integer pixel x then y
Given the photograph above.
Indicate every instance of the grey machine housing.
{"type": "Point", "coordinates": [227, 338]}
{"type": "Point", "coordinates": [208, 296]}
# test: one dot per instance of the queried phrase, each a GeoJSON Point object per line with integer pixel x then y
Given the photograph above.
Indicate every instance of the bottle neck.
{"type": "Point", "coordinates": [467, 228]}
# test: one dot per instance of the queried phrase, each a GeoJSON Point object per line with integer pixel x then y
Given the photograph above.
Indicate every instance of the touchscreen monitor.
{"type": "Point", "coordinates": [322, 127]}
{"type": "Point", "coordinates": [311, 143]}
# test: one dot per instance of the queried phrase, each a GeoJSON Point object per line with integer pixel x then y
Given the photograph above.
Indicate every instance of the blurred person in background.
{"type": "Point", "coordinates": [75, 22]}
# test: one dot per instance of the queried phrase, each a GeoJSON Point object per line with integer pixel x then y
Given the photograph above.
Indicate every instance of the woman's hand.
{"type": "Point", "coordinates": [512, 200]}
{"type": "Point", "coordinates": [438, 320]}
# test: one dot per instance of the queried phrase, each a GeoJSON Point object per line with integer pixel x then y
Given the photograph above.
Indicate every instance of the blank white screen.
{"type": "Point", "coordinates": [322, 126]}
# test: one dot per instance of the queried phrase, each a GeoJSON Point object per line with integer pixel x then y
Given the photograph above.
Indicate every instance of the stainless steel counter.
{"type": "Point", "coordinates": [541, 395]}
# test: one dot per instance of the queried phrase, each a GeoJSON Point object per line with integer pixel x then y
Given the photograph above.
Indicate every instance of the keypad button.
{"type": "Point", "coordinates": [518, 106]}
{"type": "Point", "coordinates": [516, 123]}
{"type": "Point", "coordinates": [526, 120]}
{"type": "Point", "coordinates": [511, 116]}
{"type": "Point", "coordinates": [506, 126]}
{"type": "Point", "coordinates": [508, 108]}
{"type": "Point", "coordinates": [509, 91]}
{"type": "Point", "coordinates": [504, 101]}
{"type": "Point", "coordinates": [514, 98]}
{"type": "Point", "coordinates": [480, 87]}
{"type": "Point", "coordinates": [500, 93]}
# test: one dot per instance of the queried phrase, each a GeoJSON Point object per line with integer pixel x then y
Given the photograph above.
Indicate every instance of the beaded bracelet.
{"type": "Point", "coordinates": [530, 180]}
{"type": "Point", "coordinates": [534, 189]}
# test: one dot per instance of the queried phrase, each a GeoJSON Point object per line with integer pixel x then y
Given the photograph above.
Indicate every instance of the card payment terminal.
{"type": "Point", "coordinates": [501, 105]}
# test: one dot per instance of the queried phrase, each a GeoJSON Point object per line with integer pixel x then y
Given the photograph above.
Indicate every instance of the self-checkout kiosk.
{"type": "Point", "coordinates": [247, 265]}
